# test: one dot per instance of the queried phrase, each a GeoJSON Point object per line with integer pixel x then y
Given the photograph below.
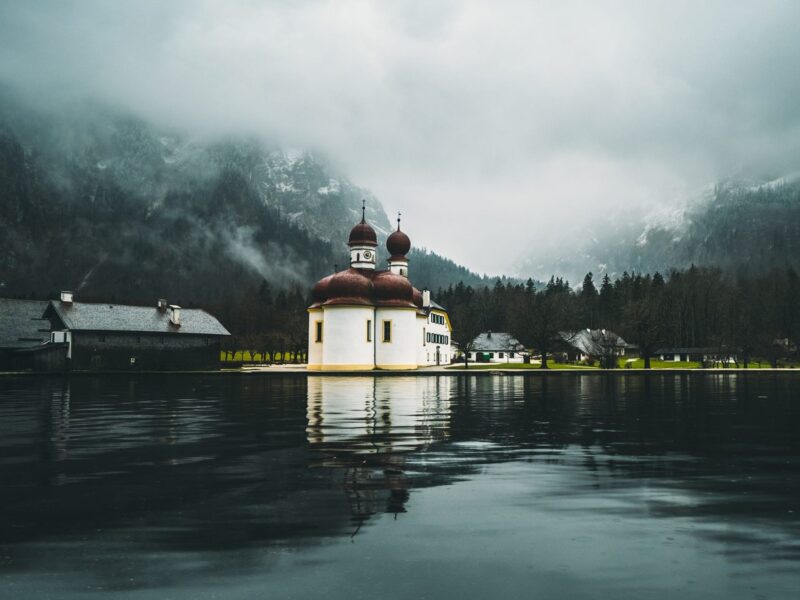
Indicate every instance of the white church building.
{"type": "Point", "coordinates": [363, 318]}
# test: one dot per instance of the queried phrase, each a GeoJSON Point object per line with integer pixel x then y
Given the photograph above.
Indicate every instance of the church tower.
{"type": "Point", "coordinates": [362, 242]}
{"type": "Point", "coordinates": [398, 246]}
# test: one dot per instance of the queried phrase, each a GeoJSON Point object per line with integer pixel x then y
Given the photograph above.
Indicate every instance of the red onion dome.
{"type": "Point", "coordinates": [349, 287]}
{"type": "Point", "coordinates": [417, 298]}
{"type": "Point", "coordinates": [362, 235]}
{"type": "Point", "coordinates": [319, 293]}
{"type": "Point", "coordinates": [398, 244]}
{"type": "Point", "coordinates": [393, 290]}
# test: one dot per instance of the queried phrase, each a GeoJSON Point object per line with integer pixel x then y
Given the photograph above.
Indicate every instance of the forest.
{"type": "Point", "coordinates": [747, 317]}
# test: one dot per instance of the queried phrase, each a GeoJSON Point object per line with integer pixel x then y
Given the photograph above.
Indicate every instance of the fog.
{"type": "Point", "coordinates": [498, 128]}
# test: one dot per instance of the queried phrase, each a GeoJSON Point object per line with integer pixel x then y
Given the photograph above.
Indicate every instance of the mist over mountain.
{"type": "Point", "coordinates": [740, 225]}
{"type": "Point", "coordinates": [114, 207]}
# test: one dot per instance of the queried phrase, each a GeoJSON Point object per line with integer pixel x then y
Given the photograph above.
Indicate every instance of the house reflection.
{"type": "Point", "coordinates": [365, 427]}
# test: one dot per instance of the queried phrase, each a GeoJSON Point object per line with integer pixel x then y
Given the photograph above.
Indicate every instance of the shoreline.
{"type": "Point", "coordinates": [424, 372]}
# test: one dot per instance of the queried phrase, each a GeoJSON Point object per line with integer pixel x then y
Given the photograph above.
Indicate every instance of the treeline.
{"type": "Point", "coordinates": [746, 317]}
{"type": "Point", "coordinates": [273, 324]}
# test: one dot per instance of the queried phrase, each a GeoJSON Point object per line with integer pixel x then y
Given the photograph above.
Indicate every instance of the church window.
{"type": "Point", "coordinates": [369, 330]}
{"type": "Point", "coordinates": [387, 331]}
{"type": "Point", "coordinates": [317, 331]}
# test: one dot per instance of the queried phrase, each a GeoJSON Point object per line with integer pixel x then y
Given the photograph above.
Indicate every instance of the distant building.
{"type": "Point", "coordinates": [686, 354]}
{"type": "Point", "coordinates": [22, 329]}
{"type": "Point", "coordinates": [497, 347]}
{"type": "Point", "coordinates": [121, 337]}
{"type": "Point", "coordinates": [364, 318]}
{"type": "Point", "coordinates": [594, 344]}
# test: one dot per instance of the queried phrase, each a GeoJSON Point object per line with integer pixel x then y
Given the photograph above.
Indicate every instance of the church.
{"type": "Point", "coordinates": [364, 318]}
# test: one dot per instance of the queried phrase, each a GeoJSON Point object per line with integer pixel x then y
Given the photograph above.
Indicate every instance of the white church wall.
{"type": "Point", "coordinates": [401, 351]}
{"type": "Point", "coordinates": [345, 345]}
{"type": "Point", "coordinates": [314, 347]}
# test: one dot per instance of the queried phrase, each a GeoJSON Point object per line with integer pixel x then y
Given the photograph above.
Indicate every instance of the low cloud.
{"type": "Point", "coordinates": [494, 127]}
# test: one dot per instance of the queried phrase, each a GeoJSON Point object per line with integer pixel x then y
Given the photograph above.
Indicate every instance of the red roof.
{"type": "Point", "coordinates": [363, 287]}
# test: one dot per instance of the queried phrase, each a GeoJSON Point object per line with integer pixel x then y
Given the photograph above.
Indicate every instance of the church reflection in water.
{"type": "Point", "coordinates": [365, 427]}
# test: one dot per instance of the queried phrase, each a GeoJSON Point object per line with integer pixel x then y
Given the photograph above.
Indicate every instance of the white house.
{"type": "Point", "coordinates": [497, 347]}
{"type": "Point", "coordinates": [363, 318]}
{"type": "Point", "coordinates": [591, 344]}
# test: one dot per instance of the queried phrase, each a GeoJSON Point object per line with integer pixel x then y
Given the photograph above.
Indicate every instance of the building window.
{"type": "Point", "coordinates": [424, 337]}
{"type": "Point", "coordinates": [499, 355]}
{"type": "Point", "coordinates": [510, 355]}
{"type": "Point", "coordinates": [317, 331]}
{"type": "Point", "coordinates": [491, 354]}
{"type": "Point", "coordinates": [387, 331]}
{"type": "Point", "coordinates": [369, 330]}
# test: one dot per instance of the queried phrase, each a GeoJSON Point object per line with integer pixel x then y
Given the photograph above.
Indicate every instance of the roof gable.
{"type": "Point", "coordinates": [83, 316]}
{"type": "Point", "coordinates": [21, 322]}
{"type": "Point", "coordinates": [497, 341]}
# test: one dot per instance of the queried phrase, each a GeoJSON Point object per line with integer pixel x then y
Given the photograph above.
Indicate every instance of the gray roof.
{"type": "Point", "coordinates": [82, 316]}
{"type": "Point", "coordinates": [494, 342]}
{"type": "Point", "coordinates": [438, 306]}
{"type": "Point", "coordinates": [594, 342]}
{"type": "Point", "coordinates": [21, 323]}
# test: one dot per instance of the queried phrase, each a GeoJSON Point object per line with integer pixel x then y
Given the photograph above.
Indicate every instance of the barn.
{"type": "Point", "coordinates": [101, 336]}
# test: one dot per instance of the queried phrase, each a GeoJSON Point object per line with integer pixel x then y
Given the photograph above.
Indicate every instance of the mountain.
{"type": "Point", "coordinates": [742, 226]}
{"type": "Point", "coordinates": [115, 207]}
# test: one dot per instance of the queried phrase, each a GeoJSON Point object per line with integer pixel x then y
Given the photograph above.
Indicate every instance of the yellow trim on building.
{"type": "Point", "coordinates": [397, 367]}
{"type": "Point", "coordinates": [314, 367]}
{"type": "Point", "coordinates": [347, 368]}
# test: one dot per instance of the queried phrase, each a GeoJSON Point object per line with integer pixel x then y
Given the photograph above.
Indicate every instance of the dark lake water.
{"type": "Point", "coordinates": [567, 486]}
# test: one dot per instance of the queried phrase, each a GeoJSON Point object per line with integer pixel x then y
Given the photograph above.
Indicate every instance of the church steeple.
{"type": "Point", "coordinates": [362, 242]}
{"type": "Point", "coordinates": [398, 246]}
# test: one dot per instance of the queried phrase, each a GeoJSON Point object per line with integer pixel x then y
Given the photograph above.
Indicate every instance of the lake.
{"type": "Point", "coordinates": [287, 486]}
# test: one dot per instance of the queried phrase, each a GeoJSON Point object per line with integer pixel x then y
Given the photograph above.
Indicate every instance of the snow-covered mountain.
{"type": "Point", "coordinates": [113, 205]}
{"type": "Point", "coordinates": [738, 225]}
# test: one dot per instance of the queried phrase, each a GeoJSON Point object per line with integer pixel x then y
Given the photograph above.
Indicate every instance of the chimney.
{"type": "Point", "coordinates": [66, 297]}
{"type": "Point", "coordinates": [426, 298]}
{"type": "Point", "coordinates": [175, 315]}
{"type": "Point", "coordinates": [162, 304]}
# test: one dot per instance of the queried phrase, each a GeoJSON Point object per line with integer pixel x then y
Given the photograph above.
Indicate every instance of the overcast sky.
{"type": "Point", "coordinates": [496, 127]}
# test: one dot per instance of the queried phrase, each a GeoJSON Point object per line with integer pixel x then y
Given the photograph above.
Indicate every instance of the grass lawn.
{"type": "Point", "coordinates": [520, 366]}
{"type": "Point", "coordinates": [247, 356]}
{"type": "Point", "coordinates": [659, 364]}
